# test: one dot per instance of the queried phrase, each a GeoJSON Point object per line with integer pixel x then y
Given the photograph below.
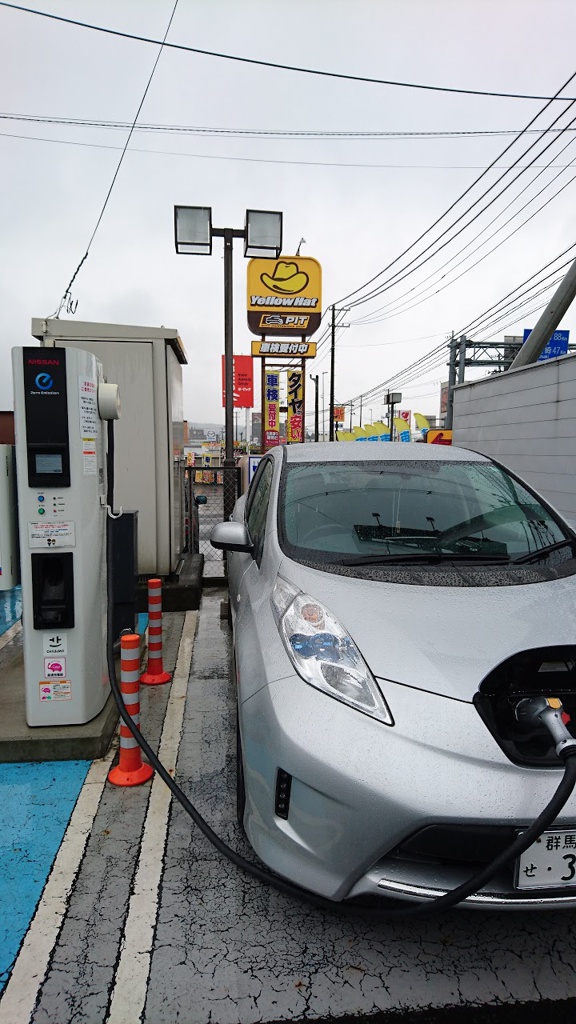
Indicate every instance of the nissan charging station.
{"type": "Point", "coordinates": [60, 400]}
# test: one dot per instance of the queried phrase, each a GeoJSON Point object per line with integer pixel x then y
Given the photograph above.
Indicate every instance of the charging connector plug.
{"type": "Point", "coordinates": [547, 711]}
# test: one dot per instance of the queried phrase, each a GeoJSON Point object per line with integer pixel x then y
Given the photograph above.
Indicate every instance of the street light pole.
{"type": "Point", "coordinates": [228, 234]}
{"type": "Point", "coordinates": [193, 234]}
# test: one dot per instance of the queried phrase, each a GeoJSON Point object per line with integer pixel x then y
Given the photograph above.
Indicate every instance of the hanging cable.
{"type": "Point", "coordinates": [67, 296]}
{"type": "Point", "coordinates": [405, 271]}
{"type": "Point", "coordinates": [394, 307]}
{"type": "Point", "coordinates": [276, 65]}
{"type": "Point", "coordinates": [348, 297]}
{"type": "Point", "coordinates": [260, 133]}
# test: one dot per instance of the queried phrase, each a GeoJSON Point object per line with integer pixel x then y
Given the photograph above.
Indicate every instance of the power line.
{"type": "Point", "coordinates": [405, 271]}
{"type": "Point", "coordinates": [494, 315]}
{"type": "Point", "coordinates": [67, 296]}
{"type": "Point", "coordinates": [393, 309]}
{"type": "Point", "coordinates": [262, 133]}
{"type": "Point", "coordinates": [476, 323]}
{"type": "Point", "coordinates": [277, 66]}
{"type": "Point", "coordinates": [438, 220]}
{"type": "Point", "coordinates": [252, 159]}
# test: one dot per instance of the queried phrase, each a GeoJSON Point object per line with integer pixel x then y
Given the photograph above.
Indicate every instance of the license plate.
{"type": "Point", "coordinates": [549, 863]}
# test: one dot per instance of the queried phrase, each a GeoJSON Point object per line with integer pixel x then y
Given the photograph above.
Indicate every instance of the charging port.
{"type": "Point", "coordinates": [535, 673]}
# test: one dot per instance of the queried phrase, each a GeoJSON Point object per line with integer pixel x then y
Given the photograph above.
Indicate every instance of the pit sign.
{"type": "Point", "coordinates": [284, 296]}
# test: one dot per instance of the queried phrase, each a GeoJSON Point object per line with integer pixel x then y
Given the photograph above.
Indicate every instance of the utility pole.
{"type": "Point", "coordinates": [332, 361]}
{"type": "Point", "coordinates": [316, 410]}
{"type": "Point", "coordinates": [548, 322]}
{"type": "Point", "coordinates": [332, 367]}
{"type": "Point", "coordinates": [324, 372]}
{"type": "Point", "coordinates": [462, 359]}
{"type": "Point", "coordinates": [453, 348]}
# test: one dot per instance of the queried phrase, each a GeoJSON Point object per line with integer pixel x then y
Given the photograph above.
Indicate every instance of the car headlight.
{"type": "Point", "coordinates": [324, 654]}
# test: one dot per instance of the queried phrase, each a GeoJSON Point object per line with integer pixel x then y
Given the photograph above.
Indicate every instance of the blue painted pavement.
{"type": "Point", "coordinates": [37, 801]}
{"type": "Point", "coordinates": [10, 608]}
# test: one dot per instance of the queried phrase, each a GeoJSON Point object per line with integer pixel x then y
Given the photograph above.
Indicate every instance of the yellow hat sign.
{"type": "Point", "coordinates": [284, 296]}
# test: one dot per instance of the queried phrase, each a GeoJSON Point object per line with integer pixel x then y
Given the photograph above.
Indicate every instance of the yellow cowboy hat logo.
{"type": "Point", "coordinates": [287, 279]}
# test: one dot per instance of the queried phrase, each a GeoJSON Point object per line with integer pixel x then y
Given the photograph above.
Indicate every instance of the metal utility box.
{"type": "Point", "coordinates": [9, 567]}
{"type": "Point", "coordinates": [146, 362]}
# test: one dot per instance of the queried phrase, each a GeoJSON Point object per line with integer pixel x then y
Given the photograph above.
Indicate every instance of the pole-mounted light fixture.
{"type": "Point", "coordinates": [193, 234]}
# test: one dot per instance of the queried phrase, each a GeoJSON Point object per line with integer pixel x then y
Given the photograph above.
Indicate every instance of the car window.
{"type": "Point", "coordinates": [394, 507]}
{"type": "Point", "coordinates": [257, 507]}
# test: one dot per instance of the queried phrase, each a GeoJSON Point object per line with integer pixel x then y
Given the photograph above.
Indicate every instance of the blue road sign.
{"type": "Point", "coordinates": [557, 345]}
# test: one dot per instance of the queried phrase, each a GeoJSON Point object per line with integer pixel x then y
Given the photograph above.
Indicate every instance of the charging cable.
{"type": "Point", "coordinates": [532, 710]}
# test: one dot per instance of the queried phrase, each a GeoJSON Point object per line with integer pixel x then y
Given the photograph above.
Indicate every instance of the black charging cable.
{"type": "Point", "coordinates": [430, 906]}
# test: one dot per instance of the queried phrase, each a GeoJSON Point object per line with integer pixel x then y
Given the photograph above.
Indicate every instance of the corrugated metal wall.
{"type": "Point", "coordinates": [526, 419]}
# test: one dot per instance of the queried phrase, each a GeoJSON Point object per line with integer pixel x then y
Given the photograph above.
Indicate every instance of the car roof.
{"type": "Point", "coordinates": [376, 451]}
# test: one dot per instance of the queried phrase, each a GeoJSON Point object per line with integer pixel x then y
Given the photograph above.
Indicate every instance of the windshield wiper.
{"type": "Point", "coordinates": [426, 556]}
{"type": "Point", "coordinates": [532, 556]}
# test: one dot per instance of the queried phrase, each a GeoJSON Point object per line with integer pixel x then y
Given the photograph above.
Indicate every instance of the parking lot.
{"type": "Point", "coordinates": [142, 919]}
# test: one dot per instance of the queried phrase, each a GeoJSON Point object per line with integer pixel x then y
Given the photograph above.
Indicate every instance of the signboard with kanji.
{"type": "Point", "coordinates": [557, 345]}
{"type": "Point", "coordinates": [271, 424]}
{"type": "Point", "coordinates": [302, 349]}
{"type": "Point", "coordinates": [295, 421]}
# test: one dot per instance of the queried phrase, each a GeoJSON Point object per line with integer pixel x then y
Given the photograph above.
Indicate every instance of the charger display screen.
{"type": "Point", "coordinates": [47, 464]}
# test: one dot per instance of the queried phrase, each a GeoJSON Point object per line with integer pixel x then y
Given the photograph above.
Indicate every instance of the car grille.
{"type": "Point", "coordinates": [457, 844]}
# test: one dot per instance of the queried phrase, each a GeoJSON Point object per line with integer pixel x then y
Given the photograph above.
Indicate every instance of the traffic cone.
{"type": "Point", "coordinates": [131, 770]}
{"type": "Point", "coordinates": [155, 672]}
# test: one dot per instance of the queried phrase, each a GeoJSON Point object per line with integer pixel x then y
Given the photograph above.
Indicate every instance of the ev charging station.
{"type": "Point", "coordinates": [60, 399]}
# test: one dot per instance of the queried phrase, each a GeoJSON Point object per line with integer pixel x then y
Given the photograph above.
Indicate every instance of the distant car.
{"type": "Point", "coordinates": [191, 519]}
{"type": "Point", "coordinates": [391, 605]}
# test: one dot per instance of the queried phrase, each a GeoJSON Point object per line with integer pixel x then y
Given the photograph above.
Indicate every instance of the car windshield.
{"type": "Point", "coordinates": [356, 512]}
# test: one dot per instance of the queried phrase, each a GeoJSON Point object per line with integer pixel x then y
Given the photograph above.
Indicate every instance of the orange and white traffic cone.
{"type": "Point", "coordinates": [155, 672]}
{"type": "Point", "coordinates": [131, 770]}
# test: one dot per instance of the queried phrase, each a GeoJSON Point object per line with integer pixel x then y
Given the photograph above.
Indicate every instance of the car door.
{"type": "Point", "coordinates": [254, 516]}
{"type": "Point", "coordinates": [252, 613]}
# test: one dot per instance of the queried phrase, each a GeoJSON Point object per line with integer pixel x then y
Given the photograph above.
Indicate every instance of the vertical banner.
{"type": "Point", "coordinates": [295, 422]}
{"type": "Point", "coordinates": [271, 424]}
{"type": "Point", "coordinates": [242, 382]}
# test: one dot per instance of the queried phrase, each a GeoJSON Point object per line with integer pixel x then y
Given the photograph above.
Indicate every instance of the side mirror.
{"type": "Point", "coordinates": [231, 536]}
{"type": "Point", "coordinates": [200, 499]}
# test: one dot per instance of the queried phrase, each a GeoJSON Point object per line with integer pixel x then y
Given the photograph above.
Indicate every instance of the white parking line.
{"type": "Point", "coordinates": [20, 995]}
{"type": "Point", "coordinates": [130, 985]}
{"type": "Point", "coordinates": [10, 634]}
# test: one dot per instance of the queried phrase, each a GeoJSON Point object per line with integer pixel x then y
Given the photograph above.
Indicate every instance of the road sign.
{"type": "Point", "coordinates": [556, 346]}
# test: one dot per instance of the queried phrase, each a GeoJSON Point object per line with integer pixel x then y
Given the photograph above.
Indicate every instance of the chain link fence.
{"type": "Point", "coordinates": [201, 518]}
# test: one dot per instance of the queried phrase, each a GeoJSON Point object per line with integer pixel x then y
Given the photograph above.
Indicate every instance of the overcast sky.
{"type": "Point", "coordinates": [358, 203]}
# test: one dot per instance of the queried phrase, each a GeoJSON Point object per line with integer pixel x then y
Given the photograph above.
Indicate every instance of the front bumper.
{"type": "Point", "coordinates": [360, 788]}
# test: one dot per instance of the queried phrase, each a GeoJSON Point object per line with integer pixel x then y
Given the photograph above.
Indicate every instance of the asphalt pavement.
{"type": "Point", "coordinates": [140, 919]}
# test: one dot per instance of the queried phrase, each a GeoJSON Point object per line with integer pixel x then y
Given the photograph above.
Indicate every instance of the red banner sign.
{"type": "Point", "coordinates": [243, 382]}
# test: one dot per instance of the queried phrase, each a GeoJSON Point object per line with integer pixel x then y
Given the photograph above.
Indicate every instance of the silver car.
{"type": "Point", "coordinates": [392, 604]}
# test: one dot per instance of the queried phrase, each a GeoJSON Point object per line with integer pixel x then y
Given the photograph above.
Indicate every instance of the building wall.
{"type": "Point", "coordinates": [526, 419]}
{"type": "Point", "coordinates": [6, 428]}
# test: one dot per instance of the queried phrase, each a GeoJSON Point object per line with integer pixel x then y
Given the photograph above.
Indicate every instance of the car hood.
{"type": "Point", "coordinates": [443, 639]}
